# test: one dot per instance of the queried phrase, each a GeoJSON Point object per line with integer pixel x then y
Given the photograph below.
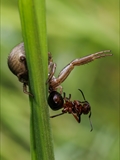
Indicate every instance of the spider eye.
{"type": "Point", "coordinates": [55, 100]}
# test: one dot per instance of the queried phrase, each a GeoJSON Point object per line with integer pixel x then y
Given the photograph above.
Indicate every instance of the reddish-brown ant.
{"type": "Point", "coordinates": [76, 108]}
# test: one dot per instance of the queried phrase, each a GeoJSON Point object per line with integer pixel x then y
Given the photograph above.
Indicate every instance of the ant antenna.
{"type": "Point", "coordinates": [90, 122]}
{"type": "Point", "coordinates": [82, 94]}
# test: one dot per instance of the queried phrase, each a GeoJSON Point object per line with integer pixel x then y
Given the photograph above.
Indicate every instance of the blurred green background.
{"type": "Point", "coordinates": [75, 29]}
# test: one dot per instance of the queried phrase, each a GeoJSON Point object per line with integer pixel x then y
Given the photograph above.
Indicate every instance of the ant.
{"type": "Point", "coordinates": [76, 108]}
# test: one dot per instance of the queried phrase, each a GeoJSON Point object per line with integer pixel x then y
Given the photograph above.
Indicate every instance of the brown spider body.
{"type": "Point", "coordinates": [17, 63]}
{"type": "Point", "coordinates": [18, 66]}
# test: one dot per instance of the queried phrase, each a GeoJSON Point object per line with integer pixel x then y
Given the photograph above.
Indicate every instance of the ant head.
{"type": "Point", "coordinates": [55, 100]}
{"type": "Point", "coordinates": [86, 108]}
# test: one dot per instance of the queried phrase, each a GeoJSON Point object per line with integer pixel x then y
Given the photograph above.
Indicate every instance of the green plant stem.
{"type": "Point", "coordinates": [33, 20]}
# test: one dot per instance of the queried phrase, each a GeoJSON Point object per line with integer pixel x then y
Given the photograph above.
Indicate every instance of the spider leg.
{"type": "Point", "coordinates": [77, 62]}
{"type": "Point", "coordinates": [90, 58]}
{"type": "Point", "coordinates": [52, 69]}
{"type": "Point", "coordinates": [49, 58]}
{"type": "Point", "coordinates": [25, 90]}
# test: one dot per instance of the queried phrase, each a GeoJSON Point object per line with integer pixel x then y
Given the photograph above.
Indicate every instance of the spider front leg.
{"type": "Point", "coordinates": [25, 90]}
{"type": "Point", "coordinates": [77, 62]}
{"type": "Point", "coordinates": [52, 69]}
{"type": "Point", "coordinates": [51, 77]}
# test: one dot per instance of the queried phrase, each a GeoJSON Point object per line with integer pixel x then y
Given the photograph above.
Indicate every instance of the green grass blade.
{"type": "Point", "coordinates": [33, 19]}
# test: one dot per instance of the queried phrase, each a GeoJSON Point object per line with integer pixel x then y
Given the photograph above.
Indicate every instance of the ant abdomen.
{"type": "Point", "coordinates": [55, 100]}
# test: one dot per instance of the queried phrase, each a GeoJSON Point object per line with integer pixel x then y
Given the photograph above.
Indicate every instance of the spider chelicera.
{"type": "Point", "coordinates": [76, 107]}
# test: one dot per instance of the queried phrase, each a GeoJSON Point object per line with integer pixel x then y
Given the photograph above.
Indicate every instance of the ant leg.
{"type": "Point", "coordinates": [77, 62]}
{"type": "Point", "coordinates": [64, 95]}
{"type": "Point", "coordinates": [69, 96]}
{"type": "Point", "coordinates": [57, 115]}
{"type": "Point", "coordinates": [78, 118]}
{"type": "Point", "coordinates": [90, 122]}
{"type": "Point", "coordinates": [25, 90]}
{"type": "Point", "coordinates": [63, 112]}
{"type": "Point", "coordinates": [90, 114]}
{"type": "Point", "coordinates": [65, 98]}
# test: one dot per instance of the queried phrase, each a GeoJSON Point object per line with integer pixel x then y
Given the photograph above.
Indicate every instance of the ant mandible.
{"type": "Point", "coordinates": [76, 108]}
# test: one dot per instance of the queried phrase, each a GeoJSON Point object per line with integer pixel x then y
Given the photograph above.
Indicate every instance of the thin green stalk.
{"type": "Point", "coordinates": [33, 20]}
